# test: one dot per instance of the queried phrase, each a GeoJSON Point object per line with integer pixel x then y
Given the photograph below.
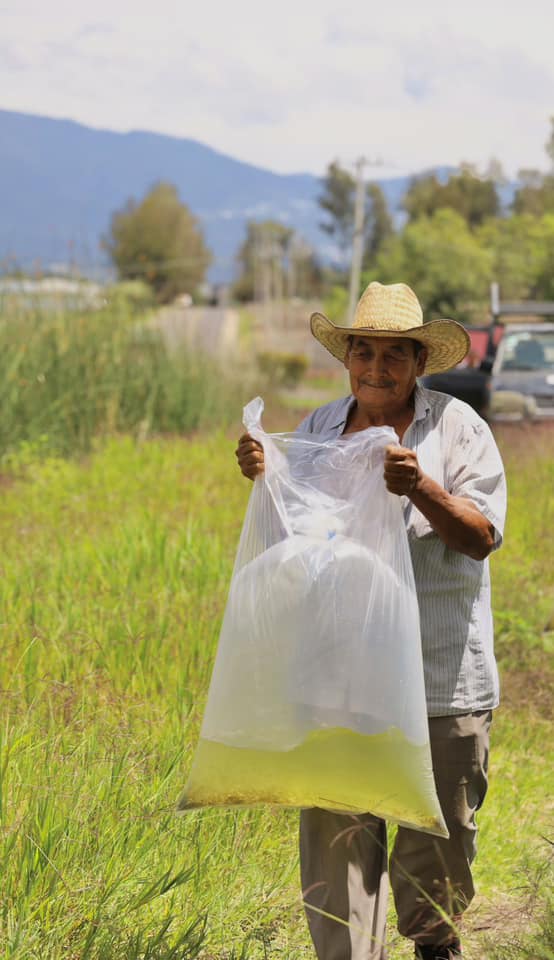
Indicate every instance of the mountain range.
{"type": "Point", "coordinates": [60, 182]}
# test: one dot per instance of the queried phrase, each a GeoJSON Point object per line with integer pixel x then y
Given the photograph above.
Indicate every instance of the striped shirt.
{"type": "Point", "coordinates": [456, 448]}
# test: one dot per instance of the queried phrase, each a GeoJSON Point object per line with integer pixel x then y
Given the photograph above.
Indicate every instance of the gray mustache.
{"type": "Point", "coordinates": [385, 383]}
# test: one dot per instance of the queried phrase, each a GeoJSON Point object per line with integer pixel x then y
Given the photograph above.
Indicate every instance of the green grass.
{"type": "Point", "coordinates": [315, 391]}
{"type": "Point", "coordinates": [68, 378]}
{"type": "Point", "coordinates": [114, 576]}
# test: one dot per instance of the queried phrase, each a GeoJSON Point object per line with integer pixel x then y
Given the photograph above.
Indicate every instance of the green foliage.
{"type": "Point", "coordinates": [522, 249]}
{"type": "Point", "coordinates": [283, 369]}
{"type": "Point", "coordinates": [338, 201]}
{"type": "Point", "coordinates": [66, 379]}
{"type": "Point", "coordinates": [535, 194]}
{"type": "Point", "coordinates": [130, 296]}
{"type": "Point", "coordinates": [473, 197]}
{"type": "Point", "coordinates": [378, 224]}
{"type": "Point", "coordinates": [442, 260]}
{"type": "Point", "coordinates": [420, 199]}
{"type": "Point", "coordinates": [159, 241]}
{"type": "Point", "coordinates": [335, 305]}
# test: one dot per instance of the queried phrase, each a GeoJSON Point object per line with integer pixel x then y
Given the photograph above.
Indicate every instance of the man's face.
{"type": "Point", "coordinates": [383, 370]}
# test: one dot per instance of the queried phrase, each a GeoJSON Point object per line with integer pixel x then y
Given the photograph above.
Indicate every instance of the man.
{"type": "Point", "coordinates": [449, 473]}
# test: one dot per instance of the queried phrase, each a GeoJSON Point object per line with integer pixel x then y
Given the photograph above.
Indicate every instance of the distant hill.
{"type": "Point", "coordinates": [60, 182]}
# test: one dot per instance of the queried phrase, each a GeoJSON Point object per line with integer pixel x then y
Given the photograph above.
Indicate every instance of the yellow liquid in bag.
{"type": "Point", "coordinates": [333, 768]}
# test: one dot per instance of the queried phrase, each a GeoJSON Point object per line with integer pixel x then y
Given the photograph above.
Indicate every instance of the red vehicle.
{"type": "Point", "coordinates": [508, 373]}
{"type": "Point", "coordinates": [471, 379]}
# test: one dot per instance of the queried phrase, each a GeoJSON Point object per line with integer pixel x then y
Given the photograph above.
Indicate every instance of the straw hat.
{"type": "Point", "coordinates": [393, 310]}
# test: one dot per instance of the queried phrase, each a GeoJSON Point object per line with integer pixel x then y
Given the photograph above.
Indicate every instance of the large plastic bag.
{"type": "Point", "coordinates": [317, 695]}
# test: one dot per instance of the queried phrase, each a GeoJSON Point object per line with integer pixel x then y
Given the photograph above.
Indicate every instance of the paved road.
{"type": "Point", "coordinates": [213, 330]}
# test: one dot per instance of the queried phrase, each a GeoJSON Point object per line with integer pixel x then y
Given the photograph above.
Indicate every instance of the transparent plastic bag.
{"type": "Point", "coordinates": [317, 695]}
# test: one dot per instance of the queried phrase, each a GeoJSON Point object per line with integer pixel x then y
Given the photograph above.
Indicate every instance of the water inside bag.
{"type": "Point", "coordinates": [335, 769]}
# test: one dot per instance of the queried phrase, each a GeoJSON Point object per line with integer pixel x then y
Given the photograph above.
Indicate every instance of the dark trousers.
{"type": "Point", "coordinates": [343, 858]}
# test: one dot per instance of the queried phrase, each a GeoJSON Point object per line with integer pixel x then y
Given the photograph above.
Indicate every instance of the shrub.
{"type": "Point", "coordinates": [282, 369]}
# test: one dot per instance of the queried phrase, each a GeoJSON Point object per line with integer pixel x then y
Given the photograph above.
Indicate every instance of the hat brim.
{"type": "Point", "coordinates": [447, 341]}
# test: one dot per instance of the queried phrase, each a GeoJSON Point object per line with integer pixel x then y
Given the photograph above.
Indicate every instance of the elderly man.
{"type": "Point", "coordinates": [448, 471]}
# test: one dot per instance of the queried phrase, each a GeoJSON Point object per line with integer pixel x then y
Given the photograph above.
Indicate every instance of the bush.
{"type": "Point", "coordinates": [282, 369]}
{"type": "Point", "coordinates": [131, 294]}
{"type": "Point", "coordinates": [160, 241]}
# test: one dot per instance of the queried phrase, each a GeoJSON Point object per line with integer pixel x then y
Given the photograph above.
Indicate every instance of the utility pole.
{"type": "Point", "coordinates": [267, 292]}
{"type": "Point", "coordinates": [358, 239]}
{"type": "Point", "coordinates": [291, 264]}
{"type": "Point", "coordinates": [277, 272]}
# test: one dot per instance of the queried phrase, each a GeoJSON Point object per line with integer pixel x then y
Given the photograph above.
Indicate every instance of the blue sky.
{"type": "Point", "coordinates": [292, 85]}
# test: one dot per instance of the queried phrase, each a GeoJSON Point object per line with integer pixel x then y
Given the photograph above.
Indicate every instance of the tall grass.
{"type": "Point", "coordinates": [66, 378]}
{"type": "Point", "coordinates": [524, 583]}
{"type": "Point", "coordinates": [114, 577]}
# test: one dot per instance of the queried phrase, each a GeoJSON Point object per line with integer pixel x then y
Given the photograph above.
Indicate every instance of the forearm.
{"type": "Point", "coordinates": [456, 520]}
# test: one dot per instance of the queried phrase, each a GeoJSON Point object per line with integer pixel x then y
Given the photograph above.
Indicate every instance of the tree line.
{"type": "Point", "coordinates": [453, 236]}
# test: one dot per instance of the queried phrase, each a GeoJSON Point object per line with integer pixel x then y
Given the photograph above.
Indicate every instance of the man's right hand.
{"type": "Point", "coordinates": [250, 456]}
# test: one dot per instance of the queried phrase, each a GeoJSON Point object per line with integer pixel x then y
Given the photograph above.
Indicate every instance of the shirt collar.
{"type": "Point", "coordinates": [345, 409]}
{"type": "Point", "coordinates": [422, 407]}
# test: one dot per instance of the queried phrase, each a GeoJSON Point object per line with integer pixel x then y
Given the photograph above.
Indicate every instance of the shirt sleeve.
{"type": "Point", "coordinates": [475, 471]}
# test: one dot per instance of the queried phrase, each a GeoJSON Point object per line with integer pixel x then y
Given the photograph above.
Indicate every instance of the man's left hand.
{"type": "Point", "coordinates": [402, 471]}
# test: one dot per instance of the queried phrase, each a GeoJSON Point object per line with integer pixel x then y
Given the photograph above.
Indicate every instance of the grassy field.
{"type": "Point", "coordinates": [69, 378]}
{"type": "Point", "coordinates": [114, 575]}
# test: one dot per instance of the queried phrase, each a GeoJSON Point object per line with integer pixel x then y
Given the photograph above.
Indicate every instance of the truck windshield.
{"type": "Point", "coordinates": [528, 351]}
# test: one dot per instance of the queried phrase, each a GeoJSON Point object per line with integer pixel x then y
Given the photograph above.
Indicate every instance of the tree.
{"type": "Point", "coordinates": [522, 250]}
{"type": "Point", "coordinates": [422, 196]}
{"type": "Point", "coordinates": [304, 271]}
{"type": "Point", "coordinates": [378, 223]}
{"type": "Point", "coordinates": [275, 262]}
{"type": "Point", "coordinates": [495, 172]}
{"type": "Point", "coordinates": [443, 261]}
{"type": "Point", "coordinates": [158, 240]}
{"type": "Point", "coordinates": [473, 197]}
{"type": "Point", "coordinates": [261, 261]}
{"type": "Point", "coordinates": [535, 194]}
{"type": "Point", "coordinates": [338, 200]}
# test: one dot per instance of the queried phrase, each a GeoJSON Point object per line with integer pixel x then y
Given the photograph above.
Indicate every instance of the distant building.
{"type": "Point", "coordinates": [54, 292]}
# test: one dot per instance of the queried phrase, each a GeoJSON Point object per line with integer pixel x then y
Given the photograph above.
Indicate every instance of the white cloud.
{"type": "Point", "coordinates": [291, 86]}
